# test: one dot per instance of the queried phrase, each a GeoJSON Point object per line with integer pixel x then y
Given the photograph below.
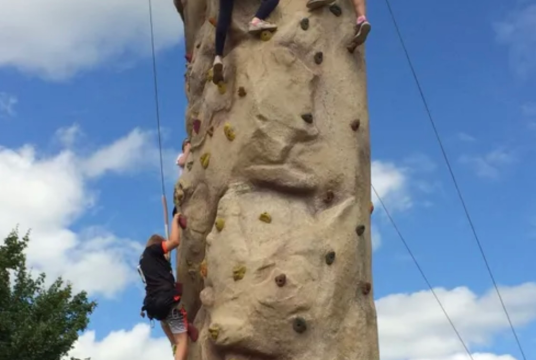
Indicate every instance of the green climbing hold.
{"type": "Point", "coordinates": [189, 165]}
{"type": "Point", "coordinates": [319, 57]}
{"type": "Point", "coordinates": [266, 35]}
{"type": "Point", "coordinates": [330, 257]}
{"type": "Point", "coordinates": [335, 10]}
{"type": "Point", "coordinates": [265, 217]}
{"type": "Point", "coordinates": [229, 132]}
{"type": "Point", "coordinates": [304, 23]}
{"type": "Point", "coordinates": [205, 159]}
{"type": "Point", "coordinates": [238, 272]}
{"type": "Point", "coordinates": [355, 124]}
{"type": "Point", "coordinates": [222, 89]}
{"type": "Point", "coordinates": [241, 91]}
{"type": "Point", "coordinates": [299, 325]}
{"type": "Point", "coordinates": [220, 224]}
{"type": "Point", "coordinates": [360, 230]}
{"type": "Point", "coordinates": [281, 280]}
{"type": "Point", "coordinates": [308, 118]}
{"type": "Point", "coordinates": [214, 331]}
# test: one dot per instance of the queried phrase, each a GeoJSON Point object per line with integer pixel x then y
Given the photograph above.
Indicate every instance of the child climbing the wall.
{"type": "Point", "coordinates": [256, 25]}
{"type": "Point", "coordinates": [362, 28]}
{"type": "Point", "coordinates": [162, 296]}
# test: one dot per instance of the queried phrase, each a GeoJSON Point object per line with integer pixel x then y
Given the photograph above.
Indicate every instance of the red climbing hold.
{"type": "Point", "coordinates": [197, 125]}
{"type": "Point", "coordinates": [192, 331]}
{"type": "Point", "coordinates": [188, 58]}
{"type": "Point", "coordinates": [182, 221]}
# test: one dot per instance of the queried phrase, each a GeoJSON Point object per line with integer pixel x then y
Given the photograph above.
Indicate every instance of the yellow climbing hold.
{"type": "Point", "coordinates": [214, 331]}
{"type": "Point", "coordinates": [229, 132]}
{"type": "Point", "coordinates": [174, 349]}
{"type": "Point", "coordinates": [220, 223]}
{"type": "Point", "coordinates": [238, 272]}
{"type": "Point", "coordinates": [222, 88]}
{"type": "Point", "coordinates": [203, 269]}
{"type": "Point", "coordinates": [265, 217]}
{"type": "Point", "coordinates": [266, 35]}
{"type": "Point", "coordinates": [205, 159]}
{"type": "Point", "coordinates": [210, 75]}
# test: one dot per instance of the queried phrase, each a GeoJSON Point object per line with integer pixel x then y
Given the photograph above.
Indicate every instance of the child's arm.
{"type": "Point", "coordinates": [175, 236]}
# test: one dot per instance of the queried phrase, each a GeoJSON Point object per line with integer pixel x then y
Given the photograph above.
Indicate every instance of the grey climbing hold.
{"type": "Point", "coordinates": [366, 288]}
{"type": "Point", "coordinates": [360, 230]}
{"type": "Point", "coordinates": [319, 57]}
{"type": "Point", "coordinates": [330, 257]}
{"type": "Point", "coordinates": [355, 124]}
{"type": "Point", "coordinates": [308, 118]}
{"type": "Point", "coordinates": [336, 10]}
{"type": "Point", "coordinates": [299, 325]}
{"type": "Point", "coordinates": [241, 91]}
{"type": "Point", "coordinates": [281, 280]}
{"type": "Point", "coordinates": [304, 23]}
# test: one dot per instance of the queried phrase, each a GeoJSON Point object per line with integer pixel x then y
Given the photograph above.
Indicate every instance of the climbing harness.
{"type": "Point", "coordinates": [157, 111]}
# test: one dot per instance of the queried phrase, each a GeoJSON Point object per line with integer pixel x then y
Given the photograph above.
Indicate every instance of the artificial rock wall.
{"type": "Point", "coordinates": [276, 258]}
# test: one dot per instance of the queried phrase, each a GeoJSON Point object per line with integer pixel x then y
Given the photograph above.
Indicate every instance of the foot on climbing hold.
{"type": "Point", "coordinates": [183, 221]}
{"type": "Point", "coordinates": [281, 280]}
{"type": "Point", "coordinates": [197, 125]}
{"type": "Point", "coordinates": [214, 331]}
{"type": "Point", "coordinates": [192, 331]}
{"type": "Point", "coordinates": [360, 230]}
{"type": "Point", "coordinates": [189, 165]}
{"type": "Point", "coordinates": [315, 4]}
{"type": "Point", "coordinates": [355, 124]}
{"type": "Point", "coordinates": [335, 10]}
{"type": "Point", "coordinates": [304, 23]}
{"type": "Point", "coordinates": [258, 27]}
{"type": "Point", "coordinates": [366, 287]}
{"type": "Point", "coordinates": [210, 131]}
{"type": "Point", "coordinates": [203, 269]}
{"type": "Point", "coordinates": [265, 217]}
{"type": "Point", "coordinates": [205, 160]}
{"type": "Point", "coordinates": [222, 88]}
{"type": "Point", "coordinates": [319, 57]}
{"type": "Point", "coordinates": [266, 35]}
{"type": "Point", "coordinates": [330, 257]}
{"type": "Point", "coordinates": [371, 207]}
{"type": "Point", "coordinates": [238, 272]}
{"type": "Point", "coordinates": [229, 132]}
{"type": "Point", "coordinates": [329, 197]}
{"type": "Point", "coordinates": [299, 325]}
{"type": "Point", "coordinates": [217, 71]}
{"type": "Point", "coordinates": [213, 21]}
{"type": "Point", "coordinates": [241, 91]}
{"type": "Point", "coordinates": [308, 118]}
{"type": "Point", "coordinates": [220, 224]}
{"type": "Point", "coordinates": [362, 30]}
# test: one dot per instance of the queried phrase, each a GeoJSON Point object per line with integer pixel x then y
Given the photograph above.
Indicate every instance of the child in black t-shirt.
{"type": "Point", "coordinates": [162, 295]}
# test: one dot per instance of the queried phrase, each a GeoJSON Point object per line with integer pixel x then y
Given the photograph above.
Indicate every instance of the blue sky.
{"type": "Point", "coordinates": [95, 182]}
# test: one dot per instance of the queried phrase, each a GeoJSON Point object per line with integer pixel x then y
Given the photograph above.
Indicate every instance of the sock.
{"type": "Point", "coordinates": [255, 21]}
{"type": "Point", "coordinates": [361, 19]}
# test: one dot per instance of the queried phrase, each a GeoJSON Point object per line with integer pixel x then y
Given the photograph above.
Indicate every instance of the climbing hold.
{"type": "Point", "coordinates": [304, 23]}
{"type": "Point", "coordinates": [212, 21]}
{"type": "Point", "coordinates": [203, 269]}
{"type": "Point", "coordinates": [336, 10]}
{"type": "Point", "coordinates": [308, 118]}
{"type": "Point", "coordinates": [174, 349]}
{"type": "Point", "coordinates": [197, 125]}
{"type": "Point", "coordinates": [210, 131]}
{"type": "Point", "coordinates": [355, 124]}
{"type": "Point", "coordinates": [205, 159]}
{"type": "Point", "coordinates": [266, 35]}
{"type": "Point", "coordinates": [329, 197]}
{"type": "Point", "coordinates": [319, 57]}
{"type": "Point", "coordinates": [241, 91]}
{"type": "Point", "coordinates": [351, 46]}
{"type": "Point", "coordinates": [360, 230]}
{"type": "Point", "coordinates": [188, 57]}
{"type": "Point", "coordinates": [210, 75]}
{"type": "Point", "coordinates": [189, 263]}
{"type": "Point", "coordinates": [198, 45]}
{"type": "Point", "coordinates": [179, 197]}
{"type": "Point", "coordinates": [366, 287]}
{"type": "Point", "coordinates": [220, 223]}
{"type": "Point", "coordinates": [299, 325]}
{"type": "Point", "coordinates": [265, 217]}
{"type": "Point", "coordinates": [189, 165]}
{"type": "Point", "coordinates": [281, 280]}
{"type": "Point", "coordinates": [183, 221]}
{"type": "Point", "coordinates": [192, 274]}
{"type": "Point", "coordinates": [229, 132]}
{"type": "Point", "coordinates": [222, 88]}
{"type": "Point", "coordinates": [238, 272]}
{"type": "Point", "coordinates": [330, 257]}
{"type": "Point", "coordinates": [214, 331]}
{"type": "Point", "coordinates": [371, 207]}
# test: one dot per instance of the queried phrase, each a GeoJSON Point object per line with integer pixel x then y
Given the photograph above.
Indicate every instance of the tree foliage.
{"type": "Point", "coordinates": [37, 322]}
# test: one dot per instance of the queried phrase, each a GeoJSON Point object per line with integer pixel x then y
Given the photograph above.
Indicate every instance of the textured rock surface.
{"type": "Point", "coordinates": [276, 258]}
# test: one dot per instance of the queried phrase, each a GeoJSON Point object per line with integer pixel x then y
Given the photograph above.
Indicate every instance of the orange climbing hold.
{"type": "Point", "coordinates": [203, 269]}
{"type": "Point", "coordinates": [213, 21]}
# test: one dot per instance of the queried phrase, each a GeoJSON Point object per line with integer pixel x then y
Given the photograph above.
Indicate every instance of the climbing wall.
{"type": "Point", "coordinates": [276, 257]}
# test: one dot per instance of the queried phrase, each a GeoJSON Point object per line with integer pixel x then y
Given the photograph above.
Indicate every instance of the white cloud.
{"type": "Point", "coordinates": [48, 193]}
{"type": "Point", "coordinates": [56, 39]}
{"type": "Point", "coordinates": [390, 182]}
{"type": "Point", "coordinates": [489, 165]}
{"type": "Point", "coordinates": [68, 136]}
{"type": "Point", "coordinates": [518, 32]}
{"type": "Point", "coordinates": [466, 137]}
{"type": "Point", "coordinates": [411, 326]}
{"type": "Point", "coordinates": [7, 104]}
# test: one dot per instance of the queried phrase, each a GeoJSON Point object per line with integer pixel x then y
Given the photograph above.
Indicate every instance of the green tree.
{"type": "Point", "coordinates": [36, 322]}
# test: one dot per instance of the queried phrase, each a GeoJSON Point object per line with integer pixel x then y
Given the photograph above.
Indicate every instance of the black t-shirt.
{"type": "Point", "coordinates": [156, 271]}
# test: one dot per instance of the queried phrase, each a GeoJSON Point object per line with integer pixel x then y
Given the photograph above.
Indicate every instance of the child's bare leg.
{"type": "Point", "coordinates": [168, 332]}
{"type": "Point", "coordinates": [181, 341]}
{"type": "Point", "coordinates": [359, 6]}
